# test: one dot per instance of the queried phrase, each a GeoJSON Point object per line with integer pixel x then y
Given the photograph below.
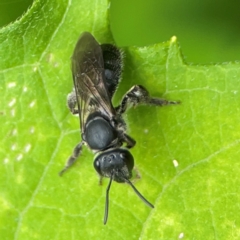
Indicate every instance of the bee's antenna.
{"type": "Point", "coordinates": [107, 199]}
{"type": "Point", "coordinates": [138, 193]}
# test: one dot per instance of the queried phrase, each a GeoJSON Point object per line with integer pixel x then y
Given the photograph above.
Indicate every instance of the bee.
{"type": "Point", "coordinates": [96, 71]}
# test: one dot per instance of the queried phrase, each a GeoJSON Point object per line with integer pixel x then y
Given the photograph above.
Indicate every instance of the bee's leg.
{"type": "Point", "coordinates": [100, 180]}
{"type": "Point", "coordinates": [72, 102]}
{"type": "Point", "coordinates": [72, 159]}
{"type": "Point", "coordinates": [129, 140]}
{"type": "Point", "coordinates": [139, 95]}
{"type": "Point", "coordinates": [136, 175]}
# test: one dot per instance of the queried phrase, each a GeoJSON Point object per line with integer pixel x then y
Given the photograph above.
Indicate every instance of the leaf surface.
{"type": "Point", "coordinates": [187, 155]}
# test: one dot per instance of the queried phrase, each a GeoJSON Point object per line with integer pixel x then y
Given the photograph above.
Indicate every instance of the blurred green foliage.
{"type": "Point", "coordinates": [10, 10]}
{"type": "Point", "coordinates": [197, 198]}
{"type": "Point", "coordinates": [208, 31]}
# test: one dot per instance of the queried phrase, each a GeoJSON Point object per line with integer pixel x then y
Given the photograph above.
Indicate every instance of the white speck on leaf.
{"type": "Point", "coordinates": [13, 112]}
{"type": "Point", "coordinates": [14, 131]}
{"type": "Point", "coordinates": [28, 147]}
{"type": "Point", "coordinates": [175, 163]}
{"type": "Point", "coordinates": [6, 160]}
{"type": "Point", "coordinates": [32, 104]}
{"type": "Point", "coordinates": [12, 102]}
{"type": "Point", "coordinates": [32, 130]}
{"type": "Point", "coordinates": [11, 84]}
{"type": "Point", "coordinates": [13, 147]}
{"type": "Point", "coordinates": [19, 157]}
{"type": "Point", "coordinates": [181, 235]}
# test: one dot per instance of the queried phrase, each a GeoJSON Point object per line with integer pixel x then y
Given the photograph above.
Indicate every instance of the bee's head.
{"type": "Point", "coordinates": [117, 164]}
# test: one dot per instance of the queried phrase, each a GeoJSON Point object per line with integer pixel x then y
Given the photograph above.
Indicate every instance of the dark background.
{"type": "Point", "coordinates": [208, 31]}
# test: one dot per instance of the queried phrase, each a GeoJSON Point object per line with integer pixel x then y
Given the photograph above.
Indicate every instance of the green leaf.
{"type": "Point", "coordinates": [187, 154]}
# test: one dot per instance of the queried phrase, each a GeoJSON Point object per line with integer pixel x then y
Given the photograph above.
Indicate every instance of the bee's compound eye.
{"type": "Point", "coordinates": [97, 163]}
{"type": "Point", "coordinates": [97, 166]}
{"type": "Point", "coordinates": [114, 160]}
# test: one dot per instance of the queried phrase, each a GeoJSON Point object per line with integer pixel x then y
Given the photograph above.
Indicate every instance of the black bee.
{"type": "Point", "coordinates": [96, 71]}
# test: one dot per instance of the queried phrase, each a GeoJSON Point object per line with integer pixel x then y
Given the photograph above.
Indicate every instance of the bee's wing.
{"type": "Point", "coordinates": [89, 80]}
